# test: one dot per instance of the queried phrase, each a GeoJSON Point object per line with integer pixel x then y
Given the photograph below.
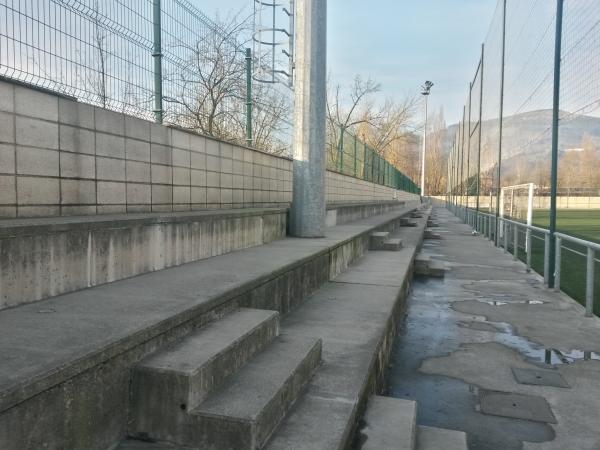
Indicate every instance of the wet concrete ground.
{"type": "Point", "coordinates": [467, 332]}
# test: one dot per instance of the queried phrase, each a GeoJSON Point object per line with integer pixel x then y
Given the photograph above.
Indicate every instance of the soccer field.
{"type": "Point", "coordinates": [584, 224]}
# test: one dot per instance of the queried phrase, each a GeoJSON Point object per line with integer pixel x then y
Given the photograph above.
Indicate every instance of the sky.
{"type": "Point", "coordinates": [400, 44]}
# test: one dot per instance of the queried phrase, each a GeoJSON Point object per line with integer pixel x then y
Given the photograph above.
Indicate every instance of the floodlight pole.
{"type": "Point", "coordinates": [307, 215]}
{"type": "Point", "coordinates": [426, 91]}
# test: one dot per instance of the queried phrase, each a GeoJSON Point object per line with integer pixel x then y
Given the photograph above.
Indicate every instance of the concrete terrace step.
{"type": "Point", "coordinates": [356, 315]}
{"type": "Point", "coordinates": [249, 406]}
{"type": "Point", "coordinates": [377, 239]}
{"type": "Point", "coordinates": [171, 382]}
{"type": "Point", "coordinates": [393, 245]}
{"type": "Point", "coordinates": [431, 438]}
{"type": "Point", "coordinates": [46, 363]}
{"type": "Point", "coordinates": [405, 222]}
{"type": "Point", "coordinates": [390, 423]}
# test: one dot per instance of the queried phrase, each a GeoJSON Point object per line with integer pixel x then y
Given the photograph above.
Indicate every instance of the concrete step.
{"type": "Point", "coordinates": [437, 268]}
{"type": "Point", "coordinates": [422, 264]}
{"type": "Point", "coordinates": [416, 215]}
{"type": "Point", "coordinates": [432, 224]}
{"type": "Point", "coordinates": [377, 239]}
{"type": "Point", "coordinates": [243, 414]}
{"type": "Point", "coordinates": [405, 222]}
{"type": "Point", "coordinates": [430, 234]}
{"type": "Point", "coordinates": [170, 383]}
{"type": "Point", "coordinates": [390, 423]}
{"type": "Point", "coordinates": [393, 245]}
{"type": "Point", "coordinates": [431, 438]}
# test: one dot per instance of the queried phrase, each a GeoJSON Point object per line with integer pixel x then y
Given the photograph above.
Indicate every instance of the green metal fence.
{"type": "Point", "coordinates": [349, 155]}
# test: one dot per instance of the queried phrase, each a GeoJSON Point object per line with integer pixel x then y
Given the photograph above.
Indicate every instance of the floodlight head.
{"type": "Point", "coordinates": [427, 88]}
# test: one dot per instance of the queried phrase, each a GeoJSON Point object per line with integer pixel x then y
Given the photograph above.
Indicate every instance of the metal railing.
{"type": "Point", "coordinates": [508, 234]}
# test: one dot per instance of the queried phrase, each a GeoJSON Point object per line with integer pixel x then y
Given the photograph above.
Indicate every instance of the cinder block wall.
{"type": "Point", "coordinates": [59, 157]}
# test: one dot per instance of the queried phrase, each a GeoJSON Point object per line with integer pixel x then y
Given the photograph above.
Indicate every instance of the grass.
{"type": "Point", "coordinates": [584, 224]}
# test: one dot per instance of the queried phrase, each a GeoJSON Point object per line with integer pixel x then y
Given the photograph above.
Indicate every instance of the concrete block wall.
{"type": "Point", "coordinates": [344, 189]}
{"type": "Point", "coordinates": [59, 157]}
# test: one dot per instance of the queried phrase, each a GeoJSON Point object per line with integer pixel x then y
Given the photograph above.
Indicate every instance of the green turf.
{"type": "Point", "coordinates": [584, 224]}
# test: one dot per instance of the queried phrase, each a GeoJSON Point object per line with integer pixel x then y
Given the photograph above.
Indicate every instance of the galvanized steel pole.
{"type": "Point", "coordinates": [499, 171]}
{"type": "Point", "coordinates": [424, 149]}
{"type": "Point", "coordinates": [307, 215]}
{"type": "Point", "coordinates": [157, 55]}
{"type": "Point", "coordinates": [249, 97]}
{"type": "Point", "coordinates": [555, 119]}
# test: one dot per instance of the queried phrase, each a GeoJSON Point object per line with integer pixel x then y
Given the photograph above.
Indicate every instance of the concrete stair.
{"type": "Point", "coordinates": [377, 239]}
{"type": "Point", "coordinates": [432, 438]}
{"type": "Point", "coordinates": [380, 241]}
{"type": "Point", "coordinates": [169, 383]}
{"type": "Point", "coordinates": [226, 386]}
{"type": "Point", "coordinates": [427, 266]}
{"type": "Point", "coordinates": [406, 222]}
{"type": "Point", "coordinates": [391, 423]}
{"type": "Point", "coordinates": [430, 234]}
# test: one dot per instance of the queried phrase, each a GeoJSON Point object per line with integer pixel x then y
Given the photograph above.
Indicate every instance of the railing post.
{"type": "Point", "coordinates": [528, 249]}
{"type": "Point", "coordinates": [157, 56]}
{"type": "Point", "coordinates": [557, 252]}
{"type": "Point", "coordinates": [341, 149]}
{"type": "Point", "coordinates": [249, 97]}
{"type": "Point", "coordinates": [505, 226]}
{"type": "Point", "coordinates": [355, 155]}
{"type": "Point", "coordinates": [516, 243]}
{"type": "Point", "coordinates": [547, 259]}
{"type": "Point", "coordinates": [589, 282]}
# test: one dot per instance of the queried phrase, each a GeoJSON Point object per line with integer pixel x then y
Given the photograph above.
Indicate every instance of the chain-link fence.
{"type": "Point", "coordinates": [532, 118]}
{"type": "Point", "coordinates": [153, 59]}
{"type": "Point", "coordinates": [348, 155]}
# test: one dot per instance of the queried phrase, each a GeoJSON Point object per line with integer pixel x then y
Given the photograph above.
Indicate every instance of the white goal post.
{"type": "Point", "coordinates": [516, 203]}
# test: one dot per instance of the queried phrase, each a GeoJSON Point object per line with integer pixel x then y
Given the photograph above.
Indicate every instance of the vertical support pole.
{"type": "Point", "coordinates": [589, 283]}
{"type": "Point", "coordinates": [355, 156]}
{"type": "Point", "coordinates": [157, 56]}
{"type": "Point", "coordinates": [364, 177]}
{"type": "Point", "coordinates": [307, 216]}
{"type": "Point", "coordinates": [249, 97]}
{"type": "Point", "coordinates": [516, 243]}
{"type": "Point", "coordinates": [502, 70]}
{"type": "Point", "coordinates": [424, 150]}
{"type": "Point", "coordinates": [480, 125]}
{"type": "Point", "coordinates": [555, 119]}
{"type": "Point", "coordinates": [528, 245]}
{"type": "Point", "coordinates": [557, 256]}
{"type": "Point", "coordinates": [546, 258]}
{"type": "Point", "coordinates": [505, 225]}
{"type": "Point", "coordinates": [341, 149]}
{"type": "Point", "coordinates": [468, 181]}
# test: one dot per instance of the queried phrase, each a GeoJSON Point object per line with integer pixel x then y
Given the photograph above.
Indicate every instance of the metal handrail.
{"type": "Point", "coordinates": [501, 225]}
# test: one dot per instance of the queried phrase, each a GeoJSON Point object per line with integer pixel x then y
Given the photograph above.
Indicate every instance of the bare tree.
{"type": "Point", "coordinates": [347, 112]}
{"type": "Point", "coordinates": [436, 156]}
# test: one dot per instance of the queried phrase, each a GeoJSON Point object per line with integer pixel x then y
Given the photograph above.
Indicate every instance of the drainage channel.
{"type": "Point", "coordinates": [433, 329]}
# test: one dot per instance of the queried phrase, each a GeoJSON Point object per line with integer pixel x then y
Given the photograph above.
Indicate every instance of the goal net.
{"type": "Point", "coordinates": [516, 202]}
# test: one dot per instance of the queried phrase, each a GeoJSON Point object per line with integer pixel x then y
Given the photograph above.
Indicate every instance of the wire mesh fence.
{"type": "Point", "coordinates": [348, 155]}
{"type": "Point", "coordinates": [104, 52]}
{"type": "Point", "coordinates": [539, 125]}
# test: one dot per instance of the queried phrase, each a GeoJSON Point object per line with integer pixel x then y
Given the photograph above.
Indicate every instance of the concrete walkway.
{"type": "Point", "coordinates": [468, 337]}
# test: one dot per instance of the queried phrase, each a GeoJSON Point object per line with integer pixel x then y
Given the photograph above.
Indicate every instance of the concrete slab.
{"type": "Point", "coordinates": [539, 377]}
{"type": "Point", "coordinates": [40, 350]}
{"type": "Point", "coordinates": [392, 245]}
{"type": "Point", "coordinates": [520, 406]}
{"type": "Point", "coordinates": [245, 411]}
{"type": "Point", "coordinates": [454, 343]}
{"type": "Point", "coordinates": [432, 438]}
{"type": "Point", "coordinates": [173, 381]}
{"type": "Point", "coordinates": [354, 315]}
{"type": "Point", "coordinates": [389, 423]}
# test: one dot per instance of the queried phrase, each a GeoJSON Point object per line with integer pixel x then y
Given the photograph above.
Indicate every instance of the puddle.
{"type": "Point", "coordinates": [517, 302]}
{"type": "Point", "coordinates": [537, 353]}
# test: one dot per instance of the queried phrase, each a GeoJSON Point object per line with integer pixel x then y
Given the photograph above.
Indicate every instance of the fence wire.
{"type": "Point", "coordinates": [517, 125]}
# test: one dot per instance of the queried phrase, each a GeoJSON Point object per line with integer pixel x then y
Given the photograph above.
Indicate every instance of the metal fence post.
{"type": "Point", "coordinates": [516, 243]}
{"type": "Point", "coordinates": [528, 249]}
{"type": "Point", "coordinates": [589, 282]}
{"type": "Point", "coordinates": [557, 255]}
{"type": "Point", "coordinates": [505, 225]}
{"type": "Point", "coordinates": [341, 149]}
{"type": "Point", "coordinates": [355, 155]}
{"type": "Point", "coordinates": [249, 97]}
{"type": "Point", "coordinates": [555, 119]}
{"type": "Point", "coordinates": [502, 73]}
{"type": "Point", "coordinates": [546, 259]}
{"type": "Point", "coordinates": [157, 56]}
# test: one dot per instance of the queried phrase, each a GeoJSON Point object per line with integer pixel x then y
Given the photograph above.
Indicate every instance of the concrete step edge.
{"type": "Point", "coordinates": [433, 438]}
